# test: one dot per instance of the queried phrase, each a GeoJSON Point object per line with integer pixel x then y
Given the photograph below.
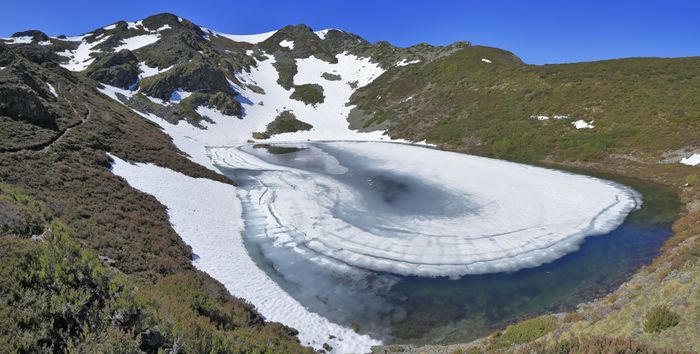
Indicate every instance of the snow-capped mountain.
{"type": "Point", "coordinates": [162, 103]}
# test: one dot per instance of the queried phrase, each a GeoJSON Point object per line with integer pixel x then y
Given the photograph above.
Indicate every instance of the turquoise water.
{"type": "Point", "coordinates": [407, 309]}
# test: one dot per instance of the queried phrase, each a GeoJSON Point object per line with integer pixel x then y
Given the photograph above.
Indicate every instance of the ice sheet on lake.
{"type": "Point", "coordinates": [207, 215]}
{"type": "Point", "coordinates": [459, 215]}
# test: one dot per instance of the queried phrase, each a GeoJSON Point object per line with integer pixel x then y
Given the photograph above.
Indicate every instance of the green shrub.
{"type": "Point", "coordinates": [660, 318]}
{"type": "Point", "coordinates": [525, 331]}
{"type": "Point", "coordinates": [310, 94]}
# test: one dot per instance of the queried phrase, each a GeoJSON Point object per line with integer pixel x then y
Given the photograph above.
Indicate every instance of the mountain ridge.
{"type": "Point", "coordinates": [161, 89]}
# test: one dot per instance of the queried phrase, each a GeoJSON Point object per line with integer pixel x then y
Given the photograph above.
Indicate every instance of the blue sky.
{"type": "Point", "coordinates": [537, 31]}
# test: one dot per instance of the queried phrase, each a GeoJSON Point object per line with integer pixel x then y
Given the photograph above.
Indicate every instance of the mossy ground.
{"type": "Point", "coordinates": [310, 94]}
{"type": "Point", "coordinates": [639, 106]}
{"type": "Point", "coordinates": [285, 122]}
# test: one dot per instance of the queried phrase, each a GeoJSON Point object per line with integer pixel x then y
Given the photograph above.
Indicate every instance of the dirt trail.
{"type": "Point", "coordinates": [45, 146]}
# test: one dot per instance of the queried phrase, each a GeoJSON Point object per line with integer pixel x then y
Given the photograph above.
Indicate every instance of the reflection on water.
{"type": "Point", "coordinates": [420, 310]}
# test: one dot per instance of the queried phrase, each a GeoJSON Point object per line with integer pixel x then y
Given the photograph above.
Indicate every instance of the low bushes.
{"type": "Point", "coordinates": [660, 318]}
{"type": "Point", "coordinates": [524, 332]}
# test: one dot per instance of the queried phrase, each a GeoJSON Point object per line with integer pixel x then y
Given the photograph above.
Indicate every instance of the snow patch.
{"type": "Point", "coordinates": [582, 124]}
{"type": "Point", "coordinates": [112, 91]}
{"type": "Point", "coordinates": [52, 89]}
{"type": "Point", "coordinates": [486, 60]}
{"type": "Point", "coordinates": [19, 40]}
{"type": "Point", "coordinates": [134, 25]}
{"type": "Point", "coordinates": [287, 44]}
{"type": "Point", "coordinates": [543, 117]}
{"type": "Point", "coordinates": [692, 160]}
{"type": "Point", "coordinates": [81, 57]}
{"type": "Point", "coordinates": [110, 27]}
{"type": "Point", "coordinates": [179, 95]}
{"type": "Point", "coordinates": [405, 62]}
{"type": "Point", "coordinates": [322, 33]}
{"type": "Point", "coordinates": [164, 27]}
{"type": "Point", "coordinates": [248, 38]}
{"type": "Point", "coordinates": [147, 71]}
{"type": "Point", "coordinates": [136, 42]}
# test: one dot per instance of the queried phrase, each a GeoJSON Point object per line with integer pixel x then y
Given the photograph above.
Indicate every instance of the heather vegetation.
{"type": "Point", "coordinates": [310, 94]}
{"type": "Point", "coordinates": [89, 264]}
{"type": "Point", "coordinates": [523, 332]}
{"type": "Point", "coordinates": [57, 296]}
{"type": "Point", "coordinates": [640, 106]}
{"type": "Point", "coordinates": [285, 122]}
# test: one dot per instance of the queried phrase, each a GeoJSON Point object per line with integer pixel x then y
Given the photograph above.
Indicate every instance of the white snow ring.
{"type": "Point", "coordinates": [524, 216]}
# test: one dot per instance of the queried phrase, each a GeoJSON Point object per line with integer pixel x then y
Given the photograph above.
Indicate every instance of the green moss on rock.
{"type": "Point", "coordinates": [118, 69]}
{"type": "Point", "coordinates": [309, 93]}
{"type": "Point", "coordinates": [286, 122]}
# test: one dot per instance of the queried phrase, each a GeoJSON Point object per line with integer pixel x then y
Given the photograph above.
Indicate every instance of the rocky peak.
{"type": "Point", "coordinates": [35, 34]}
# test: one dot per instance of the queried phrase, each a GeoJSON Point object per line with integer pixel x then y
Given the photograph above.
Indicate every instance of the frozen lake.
{"type": "Point", "coordinates": [410, 243]}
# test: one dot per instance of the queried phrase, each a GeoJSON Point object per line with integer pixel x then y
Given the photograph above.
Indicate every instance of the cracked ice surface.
{"type": "Point", "coordinates": [446, 214]}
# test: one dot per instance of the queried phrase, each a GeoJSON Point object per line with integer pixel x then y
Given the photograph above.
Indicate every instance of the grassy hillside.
{"type": "Point", "coordinates": [639, 106]}
{"type": "Point", "coordinates": [644, 110]}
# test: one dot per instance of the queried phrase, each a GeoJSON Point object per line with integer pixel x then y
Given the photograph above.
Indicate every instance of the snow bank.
{"type": "Point", "coordinates": [147, 71]}
{"type": "Point", "coordinates": [477, 215]}
{"type": "Point", "coordinates": [287, 44]}
{"type": "Point", "coordinates": [136, 42]}
{"type": "Point", "coordinates": [582, 124]}
{"type": "Point", "coordinates": [52, 89]}
{"type": "Point", "coordinates": [405, 62]}
{"type": "Point", "coordinates": [134, 25]}
{"type": "Point", "coordinates": [248, 38]}
{"type": "Point", "coordinates": [81, 57]}
{"type": "Point", "coordinates": [692, 160]}
{"type": "Point", "coordinates": [543, 117]}
{"type": "Point", "coordinates": [19, 40]}
{"type": "Point", "coordinates": [207, 215]}
{"type": "Point", "coordinates": [179, 95]}
{"type": "Point", "coordinates": [322, 33]}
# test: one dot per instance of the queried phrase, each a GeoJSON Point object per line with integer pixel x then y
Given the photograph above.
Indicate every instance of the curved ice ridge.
{"type": "Point", "coordinates": [526, 215]}
{"type": "Point", "coordinates": [206, 214]}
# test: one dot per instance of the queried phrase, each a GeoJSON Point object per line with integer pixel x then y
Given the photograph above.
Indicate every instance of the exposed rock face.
{"type": "Point", "coordinates": [20, 102]}
{"type": "Point", "coordinates": [35, 34]}
{"type": "Point", "coordinates": [22, 95]}
{"type": "Point", "coordinates": [193, 77]}
{"type": "Point", "coordinates": [286, 122]}
{"type": "Point", "coordinates": [310, 94]}
{"type": "Point", "coordinates": [221, 101]}
{"type": "Point", "coordinates": [303, 43]}
{"type": "Point", "coordinates": [118, 69]}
